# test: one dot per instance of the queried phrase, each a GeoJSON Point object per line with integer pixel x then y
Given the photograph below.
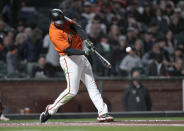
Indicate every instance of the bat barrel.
{"type": "Point", "coordinates": [103, 60]}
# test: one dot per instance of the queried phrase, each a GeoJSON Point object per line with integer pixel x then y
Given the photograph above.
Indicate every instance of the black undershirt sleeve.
{"type": "Point", "coordinates": [82, 34]}
{"type": "Point", "coordinates": [71, 51]}
{"type": "Point", "coordinates": [79, 31]}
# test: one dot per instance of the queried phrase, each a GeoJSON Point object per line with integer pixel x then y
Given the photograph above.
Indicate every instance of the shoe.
{"type": "Point", "coordinates": [44, 116]}
{"type": "Point", "coordinates": [105, 118]}
{"type": "Point", "coordinates": [3, 118]}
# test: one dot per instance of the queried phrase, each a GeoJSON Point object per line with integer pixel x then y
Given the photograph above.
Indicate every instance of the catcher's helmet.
{"type": "Point", "coordinates": [57, 16]}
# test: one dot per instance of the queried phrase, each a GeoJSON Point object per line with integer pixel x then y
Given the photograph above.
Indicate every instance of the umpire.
{"type": "Point", "coordinates": [136, 96]}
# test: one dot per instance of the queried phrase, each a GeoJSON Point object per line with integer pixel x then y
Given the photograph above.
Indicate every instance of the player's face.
{"type": "Point", "coordinates": [59, 23]}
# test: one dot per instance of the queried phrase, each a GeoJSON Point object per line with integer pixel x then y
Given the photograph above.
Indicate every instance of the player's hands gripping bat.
{"type": "Point", "coordinates": [89, 44]}
{"type": "Point", "coordinates": [91, 47]}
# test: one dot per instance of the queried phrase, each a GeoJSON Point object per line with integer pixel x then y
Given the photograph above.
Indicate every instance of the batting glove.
{"type": "Point", "coordinates": [89, 51]}
{"type": "Point", "coordinates": [89, 44]}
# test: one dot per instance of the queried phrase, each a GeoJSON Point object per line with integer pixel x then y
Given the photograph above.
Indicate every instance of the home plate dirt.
{"type": "Point", "coordinates": [115, 123]}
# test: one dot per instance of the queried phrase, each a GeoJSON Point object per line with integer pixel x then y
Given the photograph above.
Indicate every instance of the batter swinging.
{"type": "Point", "coordinates": [68, 38]}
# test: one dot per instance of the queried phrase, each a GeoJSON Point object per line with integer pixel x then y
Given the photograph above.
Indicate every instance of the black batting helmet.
{"type": "Point", "coordinates": [57, 16]}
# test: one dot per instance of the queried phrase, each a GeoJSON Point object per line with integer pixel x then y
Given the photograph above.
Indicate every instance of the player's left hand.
{"type": "Point", "coordinates": [90, 51]}
{"type": "Point", "coordinates": [89, 44]}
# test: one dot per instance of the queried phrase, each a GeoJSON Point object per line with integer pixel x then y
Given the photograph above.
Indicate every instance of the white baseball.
{"type": "Point", "coordinates": [128, 49]}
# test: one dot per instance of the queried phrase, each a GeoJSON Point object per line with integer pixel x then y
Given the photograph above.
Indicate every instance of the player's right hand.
{"type": "Point", "coordinates": [89, 44]}
{"type": "Point", "coordinates": [89, 51]}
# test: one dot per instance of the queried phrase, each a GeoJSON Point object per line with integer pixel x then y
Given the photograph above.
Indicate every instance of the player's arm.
{"type": "Point", "coordinates": [77, 28]}
{"type": "Point", "coordinates": [72, 51]}
{"type": "Point", "coordinates": [62, 45]}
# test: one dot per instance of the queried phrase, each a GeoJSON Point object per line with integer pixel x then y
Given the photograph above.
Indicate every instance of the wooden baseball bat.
{"type": "Point", "coordinates": [103, 60]}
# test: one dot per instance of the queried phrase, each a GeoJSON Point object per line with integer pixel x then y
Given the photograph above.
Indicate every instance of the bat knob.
{"type": "Point", "coordinates": [109, 66]}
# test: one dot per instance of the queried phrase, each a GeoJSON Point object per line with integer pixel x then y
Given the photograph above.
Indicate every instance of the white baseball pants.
{"type": "Point", "coordinates": [76, 68]}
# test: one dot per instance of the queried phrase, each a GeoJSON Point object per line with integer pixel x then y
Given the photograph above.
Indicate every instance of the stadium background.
{"type": "Point", "coordinates": [143, 24]}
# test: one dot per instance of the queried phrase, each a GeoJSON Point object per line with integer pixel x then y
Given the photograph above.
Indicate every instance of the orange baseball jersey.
{"type": "Point", "coordinates": [64, 37]}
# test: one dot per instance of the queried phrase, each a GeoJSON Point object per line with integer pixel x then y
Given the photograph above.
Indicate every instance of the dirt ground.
{"type": "Point", "coordinates": [115, 123]}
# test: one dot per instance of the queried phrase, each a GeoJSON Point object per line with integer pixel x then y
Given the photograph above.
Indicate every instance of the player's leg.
{"type": "Point", "coordinates": [88, 79]}
{"type": "Point", "coordinates": [72, 74]}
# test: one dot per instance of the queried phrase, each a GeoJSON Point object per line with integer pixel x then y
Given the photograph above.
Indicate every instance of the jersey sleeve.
{"type": "Point", "coordinates": [59, 40]}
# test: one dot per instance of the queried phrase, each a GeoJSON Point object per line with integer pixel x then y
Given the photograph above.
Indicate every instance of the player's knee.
{"type": "Point", "coordinates": [68, 97]}
{"type": "Point", "coordinates": [72, 94]}
{"type": "Point", "coordinates": [91, 85]}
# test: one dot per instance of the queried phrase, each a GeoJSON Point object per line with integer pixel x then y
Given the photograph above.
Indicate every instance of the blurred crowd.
{"type": "Point", "coordinates": [151, 29]}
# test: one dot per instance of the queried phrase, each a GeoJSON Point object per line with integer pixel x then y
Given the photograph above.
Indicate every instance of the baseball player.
{"type": "Point", "coordinates": [68, 38]}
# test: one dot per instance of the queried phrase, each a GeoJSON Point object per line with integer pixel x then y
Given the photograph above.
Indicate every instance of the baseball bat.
{"type": "Point", "coordinates": [103, 60]}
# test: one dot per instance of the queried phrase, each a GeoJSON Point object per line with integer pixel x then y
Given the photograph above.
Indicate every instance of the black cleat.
{"type": "Point", "coordinates": [105, 118]}
{"type": "Point", "coordinates": [44, 116]}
